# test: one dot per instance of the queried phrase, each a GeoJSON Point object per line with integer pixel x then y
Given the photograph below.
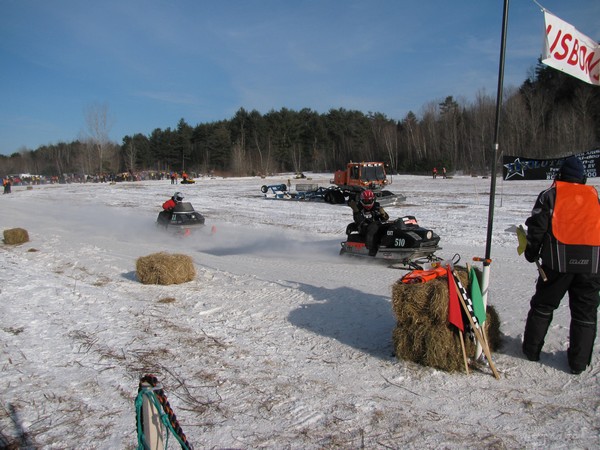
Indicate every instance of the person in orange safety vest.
{"type": "Point", "coordinates": [564, 231]}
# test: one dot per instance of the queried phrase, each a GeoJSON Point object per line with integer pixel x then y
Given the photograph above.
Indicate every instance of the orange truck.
{"type": "Point", "coordinates": [359, 176]}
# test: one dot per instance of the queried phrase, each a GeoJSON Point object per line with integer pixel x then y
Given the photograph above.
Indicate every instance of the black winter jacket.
{"type": "Point", "coordinates": [555, 254]}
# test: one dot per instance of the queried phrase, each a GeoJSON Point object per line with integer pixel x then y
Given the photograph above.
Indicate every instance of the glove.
{"type": "Point", "coordinates": [531, 254]}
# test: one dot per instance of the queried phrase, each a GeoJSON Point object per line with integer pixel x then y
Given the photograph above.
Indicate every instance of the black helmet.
{"type": "Point", "coordinates": [178, 197]}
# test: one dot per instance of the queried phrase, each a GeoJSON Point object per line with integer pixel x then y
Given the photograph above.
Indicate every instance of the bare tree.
{"type": "Point", "coordinates": [239, 164]}
{"type": "Point", "coordinates": [98, 126]}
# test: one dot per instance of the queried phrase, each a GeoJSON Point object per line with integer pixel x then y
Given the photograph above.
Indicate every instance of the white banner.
{"type": "Point", "coordinates": [570, 51]}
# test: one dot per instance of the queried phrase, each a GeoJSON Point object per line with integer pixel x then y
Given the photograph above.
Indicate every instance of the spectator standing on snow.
{"type": "Point", "coordinates": [434, 173]}
{"type": "Point", "coordinates": [564, 230]}
{"type": "Point", "coordinates": [444, 172]}
{"type": "Point", "coordinates": [7, 184]}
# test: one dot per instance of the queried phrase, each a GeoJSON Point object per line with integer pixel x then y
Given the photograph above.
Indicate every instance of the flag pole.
{"type": "Point", "coordinates": [485, 276]}
{"type": "Point", "coordinates": [462, 297]}
{"type": "Point", "coordinates": [464, 350]}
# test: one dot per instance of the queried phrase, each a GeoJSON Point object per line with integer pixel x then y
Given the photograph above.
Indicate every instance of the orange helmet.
{"type": "Point", "coordinates": [367, 198]}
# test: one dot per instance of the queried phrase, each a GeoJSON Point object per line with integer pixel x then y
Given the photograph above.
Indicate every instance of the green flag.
{"type": "Point", "coordinates": [477, 297]}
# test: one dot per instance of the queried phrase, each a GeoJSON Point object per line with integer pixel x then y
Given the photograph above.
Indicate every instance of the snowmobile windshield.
{"type": "Point", "coordinates": [373, 173]}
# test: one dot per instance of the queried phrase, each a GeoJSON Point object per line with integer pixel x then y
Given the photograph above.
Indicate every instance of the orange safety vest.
{"type": "Point", "coordinates": [423, 276]}
{"type": "Point", "coordinates": [576, 216]}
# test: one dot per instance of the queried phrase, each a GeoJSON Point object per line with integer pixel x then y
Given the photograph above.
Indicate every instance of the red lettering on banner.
{"type": "Point", "coordinates": [564, 44]}
{"type": "Point", "coordinates": [573, 51]}
{"type": "Point", "coordinates": [591, 66]}
{"type": "Point", "coordinates": [553, 46]}
{"type": "Point", "coordinates": [573, 58]}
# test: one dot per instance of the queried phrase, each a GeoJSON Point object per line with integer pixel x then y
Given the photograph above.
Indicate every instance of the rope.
{"type": "Point", "coordinates": [158, 398]}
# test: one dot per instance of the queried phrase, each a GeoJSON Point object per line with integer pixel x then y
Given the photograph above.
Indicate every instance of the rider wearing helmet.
{"type": "Point", "coordinates": [367, 199]}
{"type": "Point", "coordinates": [173, 201]}
{"type": "Point", "coordinates": [368, 215]}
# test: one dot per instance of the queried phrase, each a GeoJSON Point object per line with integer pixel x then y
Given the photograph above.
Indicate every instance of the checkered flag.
{"type": "Point", "coordinates": [470, 309]}
{"type": "Point", "coordinates": [479, 335]}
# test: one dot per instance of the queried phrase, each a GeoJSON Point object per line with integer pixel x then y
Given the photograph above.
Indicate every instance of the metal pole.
{"type": "Point", "coordinates": [485, 278]}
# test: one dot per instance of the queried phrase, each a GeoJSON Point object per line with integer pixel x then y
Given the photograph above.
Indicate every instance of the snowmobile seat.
{"type": "Point", "coordinates": [351, 228]}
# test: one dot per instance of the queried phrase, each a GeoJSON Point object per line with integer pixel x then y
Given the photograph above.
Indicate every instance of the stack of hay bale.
{"type": "Point", "coordinates": [423, 333]}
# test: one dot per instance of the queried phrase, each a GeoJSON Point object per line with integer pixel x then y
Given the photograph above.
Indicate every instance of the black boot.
{"type": "Point", "coordinates": [581, 344]}
{"type": "Point", "coordinates": [535, 333]}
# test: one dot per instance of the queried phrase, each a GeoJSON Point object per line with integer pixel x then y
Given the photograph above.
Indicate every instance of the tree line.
{"type": "Point", "coordinates": [551, 114]}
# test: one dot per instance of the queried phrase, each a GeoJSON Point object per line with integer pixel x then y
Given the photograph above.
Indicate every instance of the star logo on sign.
{"type": "Point", "coordinates": [515, 168]}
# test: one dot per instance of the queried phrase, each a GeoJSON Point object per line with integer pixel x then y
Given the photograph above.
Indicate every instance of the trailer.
{"type": "Point", "coordinates": [306, 192]}
{"type": "Point", "coordinates": [346, 184]}
{"type": "Point", "coordinates": [277, 192]}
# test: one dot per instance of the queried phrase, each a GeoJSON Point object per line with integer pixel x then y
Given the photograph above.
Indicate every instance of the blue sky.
{"type": "Point", "coordinates": [153, 62]}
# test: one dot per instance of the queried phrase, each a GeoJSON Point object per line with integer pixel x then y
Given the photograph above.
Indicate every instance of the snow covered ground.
{"type": "Point", "coordinates": [279, 342]}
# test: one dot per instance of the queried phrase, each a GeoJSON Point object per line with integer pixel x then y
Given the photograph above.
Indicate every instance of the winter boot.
{"type": "Point", "coordinates": [535, 333]}
{"type": "Point", "coordinates": [581, 343]}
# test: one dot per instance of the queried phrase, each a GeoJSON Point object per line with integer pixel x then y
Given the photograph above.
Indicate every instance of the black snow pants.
{"type": "Point", "coordinates": [373, 237]}
{"type": "Point", "coordinates": [584, 297]}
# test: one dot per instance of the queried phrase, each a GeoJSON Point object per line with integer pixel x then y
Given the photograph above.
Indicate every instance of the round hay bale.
{"type": "Point", "coordinates": [164, 268]}
{"type": "Point", "coordinates": [15, 236]}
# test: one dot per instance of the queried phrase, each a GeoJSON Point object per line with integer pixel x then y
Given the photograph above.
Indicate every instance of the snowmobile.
{"type": "Point", "coordinates": [182, 219]}
{"type": "Point", "coordinates": [402, 241]}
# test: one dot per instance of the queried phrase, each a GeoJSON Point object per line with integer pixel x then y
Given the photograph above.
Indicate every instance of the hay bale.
{"type": "Point", "coordinates": [492, 328]}
{"type": "Point", "coordinates": [16, 236]}
{"type": "Point", "coordinates": [443, 350]}
{"type": "Point", "coordinates": [423, 333]}
{"type": "Point", "coordinates": [410, 300]}
{"type": "Point", "coordinates": [164, 268]}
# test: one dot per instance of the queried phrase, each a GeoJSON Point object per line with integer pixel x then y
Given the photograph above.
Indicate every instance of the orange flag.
{"type": "Point", "coordinates": [454, 309]}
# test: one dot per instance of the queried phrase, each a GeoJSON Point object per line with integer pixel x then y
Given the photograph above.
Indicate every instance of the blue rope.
{"type": "Point", "coordinates": [164, 418]}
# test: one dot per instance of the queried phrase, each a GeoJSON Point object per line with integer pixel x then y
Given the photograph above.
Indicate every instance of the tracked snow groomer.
{"type": "Point", "coordinates": [359, 176]}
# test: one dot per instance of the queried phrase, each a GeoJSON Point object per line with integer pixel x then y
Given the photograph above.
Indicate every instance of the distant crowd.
{"type": "Point", "coordinates": [28, 179]}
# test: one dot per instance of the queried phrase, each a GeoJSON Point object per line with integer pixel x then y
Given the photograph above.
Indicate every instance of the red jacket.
{"type": "Point", "coordinates": [169, 205]}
